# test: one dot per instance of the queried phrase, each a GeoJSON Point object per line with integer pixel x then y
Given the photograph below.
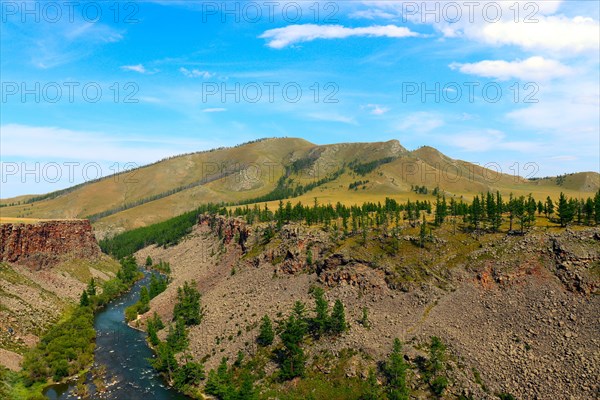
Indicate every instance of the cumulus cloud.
{"type": "Point", "coordinates": [554, 34]}
{"type": "Point", "coordinates": [533, 68]}
{"type": "Point", "coordinates": [530, 25]}
{"type": "Point", "coordinates": [282, 37]}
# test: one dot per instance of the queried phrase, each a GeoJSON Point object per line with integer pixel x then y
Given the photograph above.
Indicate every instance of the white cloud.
{"type": "Point", "coordinates": [282, 37]}
{"type": "Point", "coordinates": [376, 109]}
{"type": "Point", "coordinates": [555, 34]}
{"type": "Point", "coordinates": [214, 110]}
{"type": "Point", "coordinates": [533, 68]}
{"type": "Point", "coordinates": [531, 25]}
{"type": "Point", "coordinates": [195, 73]}
{"type": "Point", "coordinates": [136, 68]}
{"type": "Point", "coordinates": [372, 14]}
{"type": "Point", "coordinates": [420, 122]}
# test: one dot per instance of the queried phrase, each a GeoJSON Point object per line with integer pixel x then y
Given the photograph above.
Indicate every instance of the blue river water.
{"type": "Point", "coordinates": [124, 353]}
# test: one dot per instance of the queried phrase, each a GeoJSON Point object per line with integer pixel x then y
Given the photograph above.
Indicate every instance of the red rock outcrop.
{"type": "Point", "coordinates": [227, 229]}
{"type": "Point", "coordinates": [46, 243]}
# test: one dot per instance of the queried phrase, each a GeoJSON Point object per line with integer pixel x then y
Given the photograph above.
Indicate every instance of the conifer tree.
{"type": "Point", "coordinates": [423, 232]}
{"type": "Point", "coordinates": [441, 210]}
{"type": "Point", "coordinates": [292, 358]}
{"type": "Point", "coordinates": [266, 334]}
{"type": "Point", "coordinates": [549, 209]}
{"type": "Point", "coordinates": [177, 338]}
{"type": "Point", "coordinates": [321, 321]}
{"type": "Point", "coordinates": [565, 210]}
{"type": "Point", "coordinates": [338, 318]}
{"type": "Point", "coordinates": [373, 390]}
{"type": "Point", "coordinates": [597, 208]}
{"type": "Point", "coordinates": [84, 300]}
{"type": "Point", "coordinates": [395, 370]}
{"type": "Point", "coordinates": [188, 304]}
{"type": "Point", "coordinates": [91, 289]}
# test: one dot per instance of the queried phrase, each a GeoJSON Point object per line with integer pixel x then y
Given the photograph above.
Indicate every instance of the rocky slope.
{"type": "Point", "coordinates": [44, 267]}
{"type": "Point", "coordinates": [520, 314]}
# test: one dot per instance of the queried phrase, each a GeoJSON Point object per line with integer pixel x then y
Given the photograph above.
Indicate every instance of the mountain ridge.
{"type": "Point", "coordinates": [253, 170]}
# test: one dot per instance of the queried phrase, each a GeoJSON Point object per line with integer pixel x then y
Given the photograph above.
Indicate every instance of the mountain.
{"type": "Point", "coordinates": [253, 172]}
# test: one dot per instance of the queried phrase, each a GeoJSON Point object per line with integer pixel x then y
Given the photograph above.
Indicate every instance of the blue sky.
{"type": "Point", "coordinates": [362, 68]}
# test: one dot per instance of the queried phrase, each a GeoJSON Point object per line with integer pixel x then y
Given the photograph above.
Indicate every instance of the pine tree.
{"type": "Point", "coordinates": [292, 358]}
{"type": "Point", "coordinates": [338, 318]}
{"type": "Point", "coordinates": [321, 321]}
{"type": "Point", "coordinates": [565, 210]}
{"type": "Point", "coordinates": [540, 207]}
{"type": "Point", "coordinates": [531, 208]}
{"type": "Point", "coordinates": [165, 360]}
{"type": "Point", "coordinates": [597, 208]}
{"type": "Point", "coordinates": [91, 289]}
{"type": "Point", "coordinates": [144, 296]}
{"type": "Point", "coordinates": [190, 373]}
{"type": "Point", "coordinates": [498, 214]}
{"type": "Point", "coordinates": [148, 261]}
{"type": "Point", "coordinates": [247, 390]}
{"type": "Point", "coordinates": [588, 209]}
{"type": "Point", "coordinates": [441, 210]}
{"type": "Point", "coordinates": [423, 232]}
{"type": "Point", "coordinates": [154, 325]}
{"type": "Point", "coordinates": [188, 304]}
{"type": "Point", "coordinates": [266, 334]}
{"type": "Point", "coordinates": [476, 212]}
{"type": "Point", "coordinates": [177, 338]}
{"type": "Point", "coordinates": [511, 211]}
{"type": "Point", "coordinates": [549, 209]}
{"type": "Point", "coordinates": [152, 334]}
{"type": "Point", "coordinates": [490, 209]}
{"type": "Point", "coordinates": [373, 390]}
{"type": "Point", "coordinates": [84, 300]}
{"type": "Point", "coordinates": [395, 370]}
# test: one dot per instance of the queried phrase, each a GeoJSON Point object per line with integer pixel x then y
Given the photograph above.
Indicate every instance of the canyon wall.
{"type": "Point", "coordinates": [45, 243]}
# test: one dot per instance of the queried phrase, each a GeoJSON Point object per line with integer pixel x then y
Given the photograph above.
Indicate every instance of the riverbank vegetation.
{"type": "Point", "coordinates": [67, 349]}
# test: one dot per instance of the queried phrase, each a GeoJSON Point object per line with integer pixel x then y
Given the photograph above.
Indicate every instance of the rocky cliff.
{"type": "Point", "coordinates": [46, 243]}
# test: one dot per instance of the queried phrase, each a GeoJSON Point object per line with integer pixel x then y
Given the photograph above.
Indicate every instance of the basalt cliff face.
{"type": "Point", "coordinates": [46, 243]}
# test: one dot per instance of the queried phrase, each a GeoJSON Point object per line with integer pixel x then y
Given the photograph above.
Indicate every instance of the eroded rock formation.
{"type": "Point", "coordinates": [45, 243]}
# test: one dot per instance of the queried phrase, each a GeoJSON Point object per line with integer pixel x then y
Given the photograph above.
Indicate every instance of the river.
{"type": "Point", "coordinates": [124, 353]}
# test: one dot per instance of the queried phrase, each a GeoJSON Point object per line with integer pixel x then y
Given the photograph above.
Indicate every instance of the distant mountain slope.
{"type": "Point", "coordinates": [270, 169]}
{"type": "Point", "coordinates": [580, 181]}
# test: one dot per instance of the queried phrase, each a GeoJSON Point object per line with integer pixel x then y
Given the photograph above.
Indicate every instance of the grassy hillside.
{"type": "Point", "coordinates": [348, 172]}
